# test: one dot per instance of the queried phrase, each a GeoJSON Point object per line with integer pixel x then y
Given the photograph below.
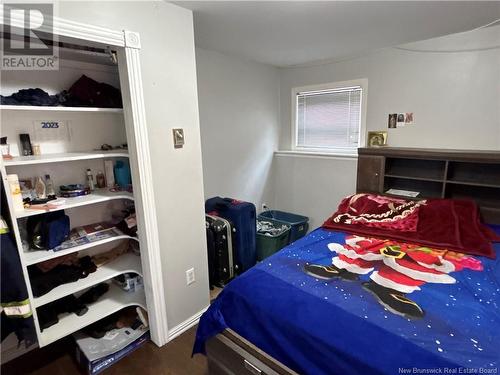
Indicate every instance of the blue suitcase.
{"type": "Point", "coordinates": [242, 215]}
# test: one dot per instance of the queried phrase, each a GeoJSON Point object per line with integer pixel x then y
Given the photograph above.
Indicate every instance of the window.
{"type": "Point", "coordinates": [329, 117]}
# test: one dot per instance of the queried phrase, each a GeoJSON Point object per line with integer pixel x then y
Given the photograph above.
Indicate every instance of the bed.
{"type": "Point", "coordinates": [283, 316]}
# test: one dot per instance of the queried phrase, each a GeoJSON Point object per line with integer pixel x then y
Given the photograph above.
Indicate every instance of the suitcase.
{"type": "Point", "coordinates": [242, 215]}
{"type": "Point", "coordinates": [220, 244]}
{"type": "Point", "coordinates": [211, 255]}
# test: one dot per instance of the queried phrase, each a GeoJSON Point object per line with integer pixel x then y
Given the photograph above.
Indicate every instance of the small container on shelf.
{"type": "Point", "coordinates": [15, 191]}
{"type": "Point", "coordinates": [90, 180]}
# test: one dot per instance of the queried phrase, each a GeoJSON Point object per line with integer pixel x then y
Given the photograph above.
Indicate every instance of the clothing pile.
{"type": "Point", "coordinates": [270, 229]}
{"type": "Point", "coordinates": [127, 317]}
{"type": "Point", "coordinates": [128, 224]}
{"type": "Point", "coordinates": [48, 314]}
{"type": "Point", "coordinates": [48, 275]}
{"type": "Point", "coordinates": [85, 92]}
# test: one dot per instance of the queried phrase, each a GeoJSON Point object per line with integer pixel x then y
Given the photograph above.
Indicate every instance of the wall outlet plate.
{"type": "Point", "coordinates": [178, 137]}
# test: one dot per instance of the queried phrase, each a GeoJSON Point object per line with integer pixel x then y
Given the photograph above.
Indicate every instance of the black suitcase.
{"type": "Point", "coordinates": [223, 253]}
{"type": "Point", "coordinates": [212, 277]}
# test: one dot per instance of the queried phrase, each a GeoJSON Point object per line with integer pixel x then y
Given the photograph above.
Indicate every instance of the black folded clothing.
{"type": "Point", "coordinates": [93, 293]}
{"type": "Point", "coordinates": [37, 97]}
{"type": "Point", "coordinates": [86, 92]}
{"type": "Point", "coordinates": [48, 315]}
{"type": "Point", "coordinates": [44, 282]}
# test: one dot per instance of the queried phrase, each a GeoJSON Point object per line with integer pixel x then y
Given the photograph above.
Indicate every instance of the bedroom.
{"type": "Point", "coordinates": [225, 72]}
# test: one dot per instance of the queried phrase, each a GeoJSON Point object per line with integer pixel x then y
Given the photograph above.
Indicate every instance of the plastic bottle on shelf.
{"type": "Point", "coordinates": [40, 188]}
{"type": "Point", "coordinates": [90, 180]}
{"type": "Point", "coordinates": [100, 180]}
{"type": "Point", "coordinates": [122, 174]}
{"type": "Point", "coordinates": [49, 187]}
{"type": "Point", "coordinates": [15, 191]}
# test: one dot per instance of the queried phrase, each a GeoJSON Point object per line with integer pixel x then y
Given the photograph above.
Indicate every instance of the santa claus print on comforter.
{"type": "Point", "coordinates": [334, 303]}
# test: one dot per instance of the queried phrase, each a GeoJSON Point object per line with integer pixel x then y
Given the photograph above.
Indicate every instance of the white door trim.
{"type": "Point", "coordinates": [142, 177]}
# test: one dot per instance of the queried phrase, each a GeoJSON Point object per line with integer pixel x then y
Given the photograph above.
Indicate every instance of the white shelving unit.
{"type": "Point", "coordinates": [59, 109]}
{"type": "Point", "coordinates": [127, 263]}
{"type": "Point", "coordinates": [114, 300]}
{"type": "Point", "coordinates": [63, 159]}
{"type": "Point", "coordinates": [97, 196]}
{"type": "Point", "coordinates": [37, 256]}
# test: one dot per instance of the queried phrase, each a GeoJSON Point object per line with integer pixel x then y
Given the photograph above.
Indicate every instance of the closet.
{"type": "Point", "coordinates": [66, 152]}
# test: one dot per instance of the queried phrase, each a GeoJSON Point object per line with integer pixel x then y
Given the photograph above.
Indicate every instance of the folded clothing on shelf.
{"type": "Point", "coordinates": [85, 92]}
{"type": "Point", "coordinates": [30, 96]}
{"type": "Point", "coordinates": [48, 314]}
{"type": "Point", "coordinates": [43, 282]}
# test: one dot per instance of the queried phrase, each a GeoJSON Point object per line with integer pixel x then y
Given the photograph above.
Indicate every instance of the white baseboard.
{"type": "Point", "coordinates": [185, 325]}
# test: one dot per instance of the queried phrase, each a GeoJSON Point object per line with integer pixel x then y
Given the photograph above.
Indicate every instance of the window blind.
{"type": "Point", "coordinates": [329, 118]}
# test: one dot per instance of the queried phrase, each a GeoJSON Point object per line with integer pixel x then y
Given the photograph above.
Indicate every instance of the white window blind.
{"type": "Point", "coordinates": [329, 119]}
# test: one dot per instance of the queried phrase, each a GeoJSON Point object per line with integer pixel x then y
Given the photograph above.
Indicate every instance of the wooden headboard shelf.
{"type": "Point", "coordinates": [434, 173]}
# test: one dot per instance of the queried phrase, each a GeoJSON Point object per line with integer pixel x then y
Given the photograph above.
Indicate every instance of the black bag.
{"type": "Point", "coordinates": [48, 230]}
{"type": "Point", "coordinates": [223, 265]}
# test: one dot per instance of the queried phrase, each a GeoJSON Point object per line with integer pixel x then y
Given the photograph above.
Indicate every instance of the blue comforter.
{"type": "Point", "coordinates": [317, 326]}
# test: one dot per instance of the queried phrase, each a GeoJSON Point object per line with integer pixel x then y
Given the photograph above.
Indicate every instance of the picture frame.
{"type": "Point", "coordinates": [377, 138]}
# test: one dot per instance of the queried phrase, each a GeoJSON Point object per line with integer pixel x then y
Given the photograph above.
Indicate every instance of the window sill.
{"type": "Point", "coordinates": [314, 154]}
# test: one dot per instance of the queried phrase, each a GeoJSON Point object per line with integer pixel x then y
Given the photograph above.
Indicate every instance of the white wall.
{"type": "Point", "coordinates": [455, 98]}
{"type": "Point", "coordinates": [239, 121]}
{"type": "Point", "coordinates": [169, 81]}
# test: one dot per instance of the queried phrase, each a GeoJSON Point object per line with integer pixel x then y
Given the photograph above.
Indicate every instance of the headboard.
{"type": "Point", "coordinates": [459, 174]}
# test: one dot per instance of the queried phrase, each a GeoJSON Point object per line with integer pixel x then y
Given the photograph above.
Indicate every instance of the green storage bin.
{"type": "Point", "coordinates": [268, 242]}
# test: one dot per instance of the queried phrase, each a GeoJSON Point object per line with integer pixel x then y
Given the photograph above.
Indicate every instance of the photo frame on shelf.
{"type": "Point", "coordinates": [377, 138]}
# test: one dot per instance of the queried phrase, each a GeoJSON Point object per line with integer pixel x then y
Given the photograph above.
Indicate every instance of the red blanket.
{"type": "Point", "coordinates": [441, 223]}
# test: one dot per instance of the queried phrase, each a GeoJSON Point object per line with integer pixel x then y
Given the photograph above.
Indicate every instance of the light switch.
{"type": "Point", "coordinates": [178, 137]}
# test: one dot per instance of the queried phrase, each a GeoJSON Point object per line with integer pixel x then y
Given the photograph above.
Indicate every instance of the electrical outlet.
{"type": "Point", "coordinates": [264, 207]}
{"type": "Point", "coordinates": [190, 276]}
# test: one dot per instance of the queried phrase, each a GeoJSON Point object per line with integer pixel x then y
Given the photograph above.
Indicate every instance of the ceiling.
{"type": "Point", "coordinates": [290, 33]}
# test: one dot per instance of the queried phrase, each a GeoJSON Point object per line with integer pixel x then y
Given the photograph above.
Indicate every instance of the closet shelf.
{"type": "Point", "coordinates": [37, 256]}
{"type": "Point", "coordinates": [123, 264]}
{"type": "Point", "coordinates": [59, 109]}
{"type": "Point", "coordinates": [97, 196]}
{"type": "Point", "coordinates": [63, 157]}
{"type": "Point", "coordinates": [112, 301]}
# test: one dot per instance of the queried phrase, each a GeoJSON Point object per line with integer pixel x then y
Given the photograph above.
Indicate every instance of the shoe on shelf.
{"type": "Point", "coordinates": [394, 301]}
{"type": "Point", "coordinates": [329, 272]}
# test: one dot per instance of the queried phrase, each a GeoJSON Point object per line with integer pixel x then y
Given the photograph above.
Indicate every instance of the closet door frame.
{"type": "Point", "coordinates": [127, 44]}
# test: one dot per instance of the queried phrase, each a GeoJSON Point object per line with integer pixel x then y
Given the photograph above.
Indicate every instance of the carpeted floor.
{"type": "Point", "coordinates": [58, 359]}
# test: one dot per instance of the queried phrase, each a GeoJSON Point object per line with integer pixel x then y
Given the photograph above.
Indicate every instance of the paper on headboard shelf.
{"type": "Point", "coordinates": [404, 193]}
